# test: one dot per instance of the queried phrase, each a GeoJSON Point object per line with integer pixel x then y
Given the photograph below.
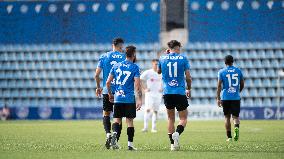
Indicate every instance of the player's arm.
{"type": "Point", "coordinates": [108, 85]}
{"type": "Point", "coordinates": [219, 86]}
{"type": "Point", "coordinates": [98, 82]}
{"type": "Point", "coordinates": [188, 83]}
{"type": "Point", "coordinates": [137, 83]}
{"type": "Point", "coordinates": [143, 78]}
{"type": "Point", "coordinates": [159, 68]}
{"type": "Point", "coordinates": [242, 85]}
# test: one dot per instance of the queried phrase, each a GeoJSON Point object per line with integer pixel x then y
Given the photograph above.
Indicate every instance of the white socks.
{"type": "Point", "coordinates": [154, 120]}
{"type": "Point", "coordinates": [146, 119]}
{"type": "Point", "coordinates": [130, 144]}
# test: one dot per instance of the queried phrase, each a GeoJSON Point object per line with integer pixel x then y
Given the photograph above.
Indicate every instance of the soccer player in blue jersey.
{"type": "Point", "coordinates": [175, 71]}
{"type": "Point", "coordinates": [230, 84]}
{"type": "Point", "coordinates": [126, 75]}
{"type": "Point", "coordinates": [105, 64]}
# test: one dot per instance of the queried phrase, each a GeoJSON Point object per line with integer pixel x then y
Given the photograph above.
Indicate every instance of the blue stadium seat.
{"type": "Point", "coordinates": [257, 64]}
{"type": "Point", "coordinates": [279, 54]}
{"type": "Point", "coordinates": [244, 54]}
{"type": "Point", "coordinates": [282, 102]}
{"type": "Point", "coordinates": [257, 82]}
{"type": "Point", "coordinates": [274, 102]}
{"type": "Point", "coordinates": [271, 73]}
{"type": "Point", "coordinates": [266, 82]}
{"type": "Point", "coordinates": [271, 92]}
{"type": "Point", "coordinates": [275, 63]}
{"type": "Point", "coordinates": [270, 54]}
{"type": "Point", "coordinates": [248, 102]}
{"type": "Point", "coordinates": [261, 54]}
{"type": "Point", "coordinates": [273, 82]}
{"type": "Point", "coordinates": [265, 63]}
{"type": "Point", "coordinates": [262, 92]}
{"type": "Point", "coordinates": [253, 92]}
{"type": "Point", "coordinates": [258, 102]}
{"type": "Point", "coordinates": [262, 73]}
{"type": "Point", "coordinates": [248, 64]}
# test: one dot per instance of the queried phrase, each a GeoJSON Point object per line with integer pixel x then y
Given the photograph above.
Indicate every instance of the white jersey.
{"type": "Point", "coordinates": [153, 82]}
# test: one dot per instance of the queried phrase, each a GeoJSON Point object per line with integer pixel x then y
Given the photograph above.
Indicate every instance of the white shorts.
{"type": "Point", "coordinates": [152, 102]}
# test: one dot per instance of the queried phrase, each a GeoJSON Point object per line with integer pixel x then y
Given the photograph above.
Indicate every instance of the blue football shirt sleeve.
{"type": "Point", "coordinates": [187, 66]}
{"type": "Point", "coordinates": [137, 72]}
{"type": "Point", "coordinates": [219, 75]}
{"type": "Point", "coordinates": [101, 62]}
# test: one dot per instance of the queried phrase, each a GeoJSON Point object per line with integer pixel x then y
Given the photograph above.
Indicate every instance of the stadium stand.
{"type": "Point", "coordinates": [62, 75]}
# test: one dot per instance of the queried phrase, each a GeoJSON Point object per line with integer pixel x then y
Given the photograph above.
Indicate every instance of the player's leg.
{"type": "Point", "coordinates": [154, 121]}
{"type": "Point", "coordinates": [155, 109]}
{"type": "Point", "coordinates": [227, 116]}
{"type": "Point", "coordinates": [228, 127]}
{"type": "Point", "coordinates": [146, 119]}
{"type": "Point", "coordinates": [117, 120]}
{"type": "Point", "coordinates": [235, 115]}
{"type": "Point", "coordinates": [106, 121]}
{"type": "Point", "coordinates": [119, 131]}
{"type": "Point", "coordinates": [182, 105]}
{"type": "Point", "coordinates": [180, 127]}
{"type": "Point", "coordinates": [130, 114]}
{"type": "Point", "coordinates": [130, 133]}
{"type": "Point", "coordinates": [171, 125]}
{"type": "Point", "coordinates": [107, 109]}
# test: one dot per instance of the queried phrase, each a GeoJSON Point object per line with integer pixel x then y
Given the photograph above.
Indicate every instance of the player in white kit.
{"type": "Point", "coordinates": [152, 87]}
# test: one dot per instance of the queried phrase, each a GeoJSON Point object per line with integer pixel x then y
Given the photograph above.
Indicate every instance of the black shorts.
{"type": "Point", "coordinates": [127, 110]}
{"type": "Point", "coordinates": [231, 107]}
{"type": "Point", "coordinates": [107, 105]}
{"type": "Point", "coordinates": [177, 101]}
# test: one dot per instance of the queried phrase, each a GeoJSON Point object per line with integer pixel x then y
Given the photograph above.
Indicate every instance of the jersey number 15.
{"type": "Point", "coordinates": [234, 79]}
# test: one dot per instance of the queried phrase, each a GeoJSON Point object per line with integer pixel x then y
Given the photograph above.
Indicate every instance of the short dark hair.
{"type": "Point", "coordinates": [130, 50]}
{"type": "Point", "coordinates": [117, 41]}
{"type": "Point", "coordinates": [173, 43]}
{"type": "Point", "coordinates": [229, 60]}
{"type": "Point", "coordinates": [155, 60]}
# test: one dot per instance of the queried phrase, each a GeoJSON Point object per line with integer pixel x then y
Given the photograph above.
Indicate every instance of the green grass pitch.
{"type": "Point", "coordinates": [85, 139]}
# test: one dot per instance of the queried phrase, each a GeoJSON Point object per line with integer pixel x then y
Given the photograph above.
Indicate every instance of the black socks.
{"type": "Point", "coordinates": [229, 135]}
{"type": "Point", "coordinates": [107, 125]}
{"type": "Point", "coordinates": [130, 133]}
{"type": "Point", "coordinates": [171, 139]}
{"type": "Point", "coordinates": [180, 129]}
{"type": "Point", "coordinates": [119, 131]}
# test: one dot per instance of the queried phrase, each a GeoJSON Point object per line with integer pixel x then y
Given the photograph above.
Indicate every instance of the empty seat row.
{"type": "Point", "coordinates": [44, 83]}
{"type": "Point", "coordinates": [238, 54]}
{"type": "Point", "coordinates": [59, 102]}
{"type": "Point", "coordinates": [48, 93]}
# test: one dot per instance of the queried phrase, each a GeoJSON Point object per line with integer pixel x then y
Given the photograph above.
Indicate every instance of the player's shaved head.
{"type": "Point", "coordinates": [229, 60]}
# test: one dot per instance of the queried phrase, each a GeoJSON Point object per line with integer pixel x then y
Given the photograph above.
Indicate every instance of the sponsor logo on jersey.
{"type": "Point", "coordinates": [116, 56]}
{"type": "Point", "coordinates": [120, 93]}
{"type": "Point", "coordinates": [172, 57]}
{"type": "Point", "coordinates": [232, 90]}
{"type": "Point", "coordinates": [173, 83]}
